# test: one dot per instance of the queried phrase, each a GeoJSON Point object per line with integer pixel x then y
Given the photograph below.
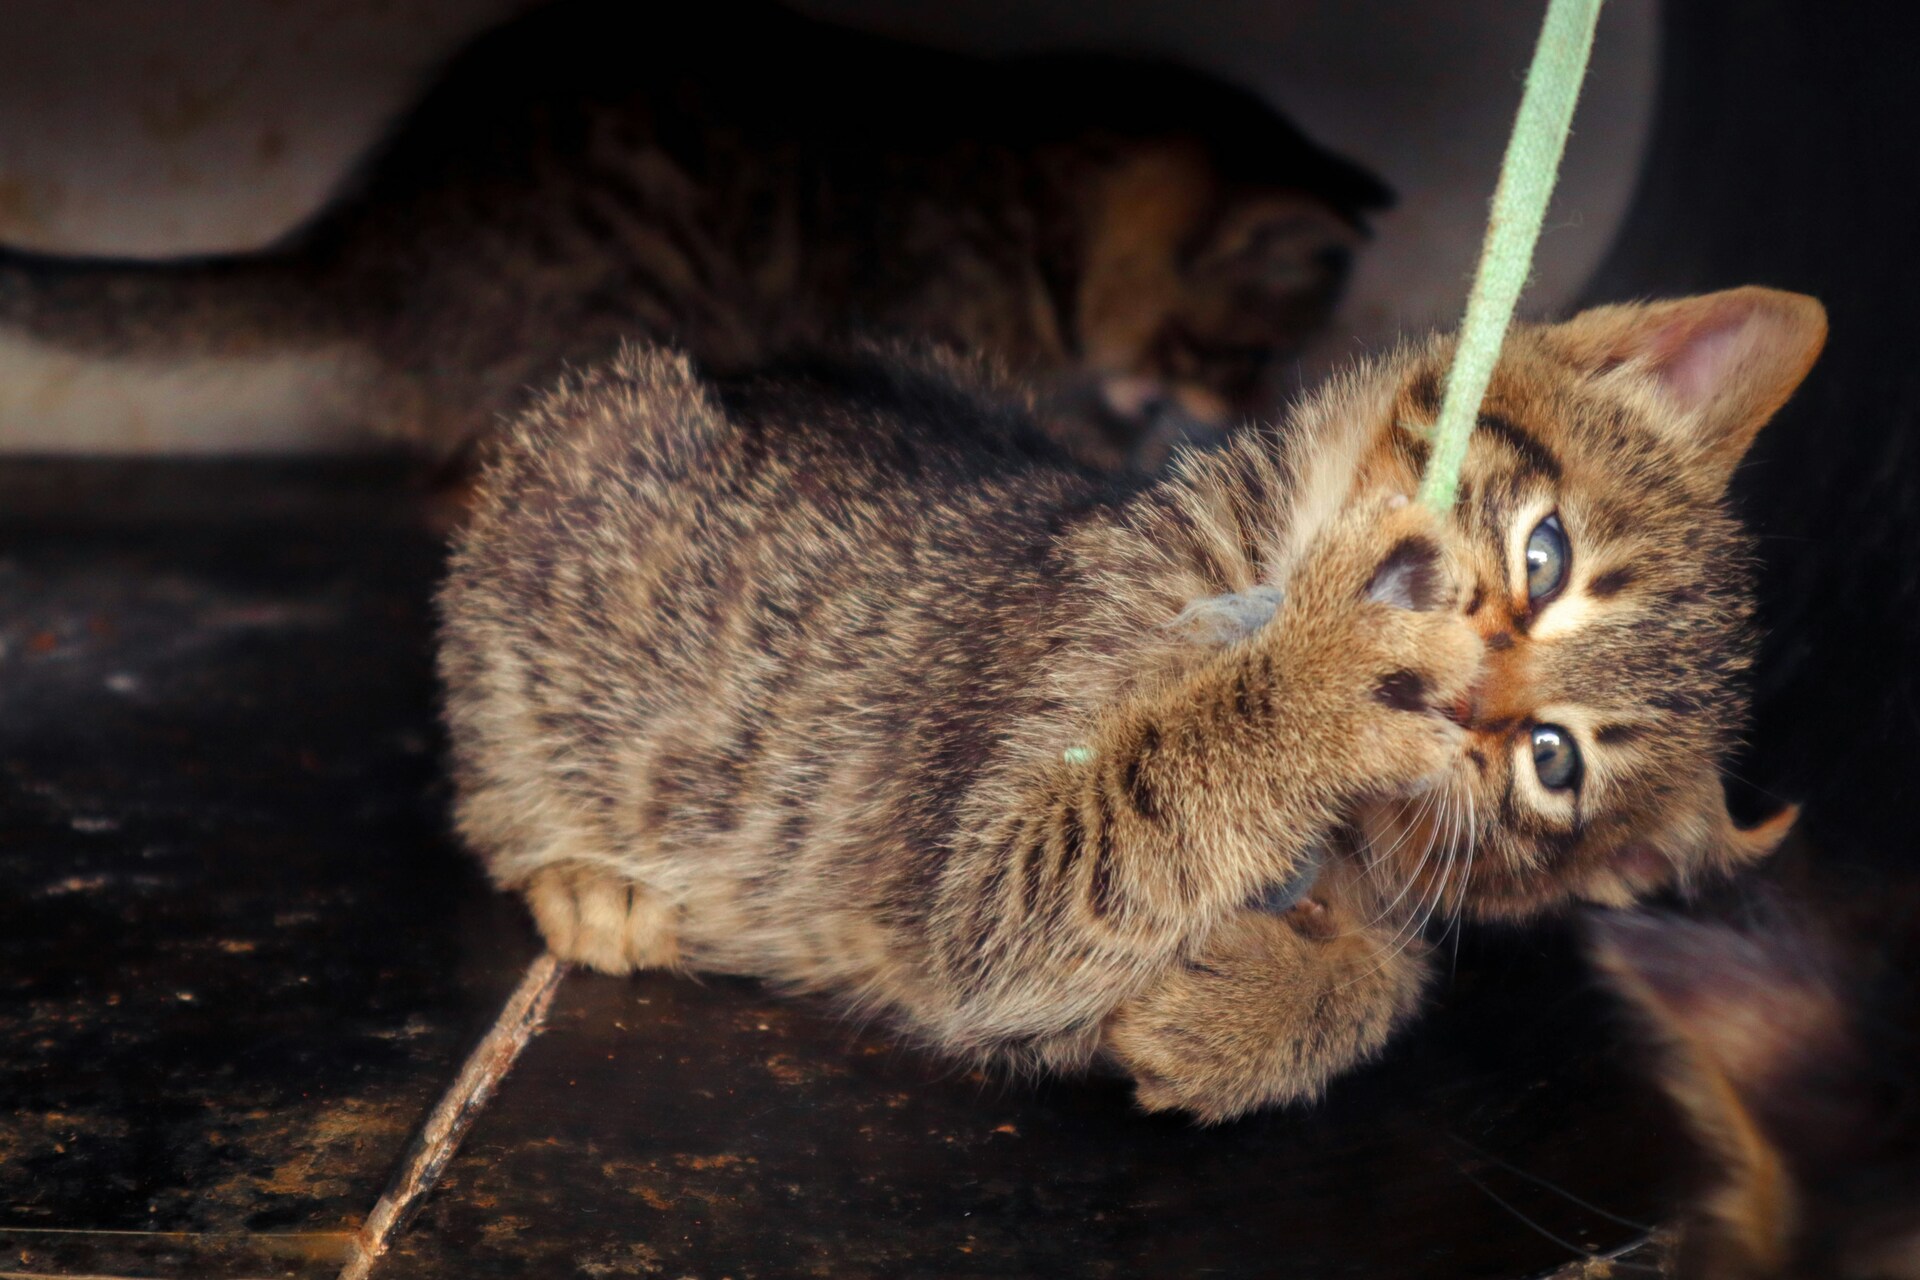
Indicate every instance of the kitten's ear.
{"type": "Point", "coordinates": [1698, 837]}
{"type": "Point", "coordinates": [1282, 244]}
{"type": "Point", "coordinates": [1724, 362]}
{"type": "Point", "coordinates": [1740, 846]}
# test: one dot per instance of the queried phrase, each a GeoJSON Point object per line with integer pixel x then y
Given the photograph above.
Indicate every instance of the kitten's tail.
{"type": "Point", "coordinates": [241, 352]}
{"type": "Point", "coordinates": [218, 305]}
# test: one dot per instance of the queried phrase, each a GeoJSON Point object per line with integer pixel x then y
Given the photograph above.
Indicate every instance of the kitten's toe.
{"type": "Point", "coordinates": [549, 895]}
{"type": "Point", "coordinates": [1411, 737]}
{"type": "Point", "coordinates": [1412, 575]}
{"type": "Point", "coordinates": [1412, 751]}
{"type": "Point", "coordinates": [602, 921]}
{"type": "Point", "coordinates": [1412, 553]}
{"type": "Point", "coordinates": [1151, 1093]}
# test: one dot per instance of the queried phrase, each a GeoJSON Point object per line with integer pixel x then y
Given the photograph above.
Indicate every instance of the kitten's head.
{"type": "Point", "coordinates": [1790, 1042]}
{"type": "Point", "coordinates": [1211, 241]}
{"type": "Point", "coordinates": [1596, 556]}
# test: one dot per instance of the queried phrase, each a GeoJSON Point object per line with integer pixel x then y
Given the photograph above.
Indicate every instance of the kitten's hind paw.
{"type": "Point", "coordinates": [603, 921]}
{"type": "Point", "coordinates": [1271, 1009]}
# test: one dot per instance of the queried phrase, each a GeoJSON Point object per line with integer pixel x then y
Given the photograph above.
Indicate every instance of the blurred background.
{"type": "Point", "coordinates": [133, 128]}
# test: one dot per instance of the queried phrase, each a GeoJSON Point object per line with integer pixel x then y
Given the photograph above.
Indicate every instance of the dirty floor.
{"type": "Point", "coordinates": [242, 965]}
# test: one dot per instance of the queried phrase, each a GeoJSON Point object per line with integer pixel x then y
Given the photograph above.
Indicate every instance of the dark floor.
{"type": "Point", "coordinates": [240, 960]}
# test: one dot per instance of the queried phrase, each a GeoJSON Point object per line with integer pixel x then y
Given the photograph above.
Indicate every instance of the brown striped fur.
{"type": "Point", "coordinates": [837, 675]}
{"type": "Point", "coordinates": [736, 179]}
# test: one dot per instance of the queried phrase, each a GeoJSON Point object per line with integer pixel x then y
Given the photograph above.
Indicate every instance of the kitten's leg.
{"type": "Point", "coordinates": [1204, 793]}
{"type": "Point", "coordinates": [1272, 1008]}
{"type": "Point", "coordinates": [596, 918]}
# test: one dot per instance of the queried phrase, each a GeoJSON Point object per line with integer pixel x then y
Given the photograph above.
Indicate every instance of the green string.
{"type": "Point", "coordinates": [1506, 257]}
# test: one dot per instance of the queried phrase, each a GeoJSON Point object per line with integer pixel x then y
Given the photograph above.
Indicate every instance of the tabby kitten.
{"type": "Point", "coordinates": [1789, 1035]}
{"type": "Point", "coordinates": [736, 179]}
{"type": "Point", "coordinates": [836, 675]}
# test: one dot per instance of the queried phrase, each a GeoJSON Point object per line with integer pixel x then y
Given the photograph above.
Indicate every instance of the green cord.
{"type": "Point", "coordinates": [1506, 257]}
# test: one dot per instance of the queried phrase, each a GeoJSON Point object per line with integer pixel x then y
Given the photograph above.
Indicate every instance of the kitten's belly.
{"type": "Point", "coordinates": [725, 931]}
{"type": "Point", "coordinates": [764, 900]}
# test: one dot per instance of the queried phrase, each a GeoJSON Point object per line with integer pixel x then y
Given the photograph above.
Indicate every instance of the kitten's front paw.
{"type": "Point", "coordinates": [603, 921]}
{"type": "Point", "coordinates": [1376, 620]}
{"type": "Point", "coordinates": [1269, 1012]}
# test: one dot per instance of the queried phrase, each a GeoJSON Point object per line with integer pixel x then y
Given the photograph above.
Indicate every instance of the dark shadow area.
{"type": "Point", "coordinates": [240, 957]}
{"type": "Point", "coordinates": [1782, 156]}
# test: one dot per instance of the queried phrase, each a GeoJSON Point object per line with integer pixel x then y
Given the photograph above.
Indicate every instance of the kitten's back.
{"type": "Point", "coordinates": [739, 622]}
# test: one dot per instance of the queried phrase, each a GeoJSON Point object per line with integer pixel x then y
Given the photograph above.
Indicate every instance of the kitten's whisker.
{"type": "Point", "coordinates": [1401, 938]}
{"type": "Point", "coordinates": [1458, 830]}
{"type": "Point", "coordinates": [1466, 880]}
{"type": "Point", "coordinates": [1471, 837]}
{"type": "Point", "coordinates": [1406, 886]}
{"type": "Point", "coordinates": [1449, 844]}
{"type": "Point", "coordinates": [1489, 1192]}
{"type": "Point", "coordinates": [1404, 934]}
{"type": "Point", "coordinates": [1539, 1181]}
{"type": "Point", "coordinates": [1751, 785]}
{"type": "Point", "coordinates": [1450, 859]}
{"type": "Point", "coordinates": [1375, 858]}
{"type": "Point", "coordinates": [1429, 801]}
{"type": "Point", "coordinates": [1375, 862]}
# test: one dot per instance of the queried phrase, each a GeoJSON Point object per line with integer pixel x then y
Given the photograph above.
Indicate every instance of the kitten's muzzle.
{"type": "Point", "coordinates": [1500, 700]}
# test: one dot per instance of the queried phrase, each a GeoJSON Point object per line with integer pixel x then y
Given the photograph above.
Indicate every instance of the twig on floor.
{"type": "Point", "coordinates": [433, 1146]}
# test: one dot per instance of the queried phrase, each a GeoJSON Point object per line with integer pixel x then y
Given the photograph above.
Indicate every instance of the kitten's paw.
{"type": "Point", "coordinates": [1404, 743]}
{"type": "Point", "coordinates": [603, 921]}
{"type": "Point", "coordinates": [1268, 1013]}
{"type": "Point", "coordinates": [1376, 617]}
{"type": "Point", "coordinates": [1383, 549]}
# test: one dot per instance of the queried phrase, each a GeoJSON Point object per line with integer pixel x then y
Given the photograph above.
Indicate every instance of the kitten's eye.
{"type": "Point", "coordinates": [1555, 757]}
{"type": "Point", "coordinates": [1547, 556]}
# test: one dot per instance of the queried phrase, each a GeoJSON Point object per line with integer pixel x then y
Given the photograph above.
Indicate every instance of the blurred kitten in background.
{"type": "Point", "coordinates": [1787, 1028]}
{"type": "Point", "coordinates": [1138, 242]}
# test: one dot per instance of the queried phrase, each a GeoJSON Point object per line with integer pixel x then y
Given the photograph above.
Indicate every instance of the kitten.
{"type": "Point", "coordinates": [1789, 1035]}
{"type": "Point", "coordinates": [837, 675]}
{"type": "Point", "coordinates": [738, 180]}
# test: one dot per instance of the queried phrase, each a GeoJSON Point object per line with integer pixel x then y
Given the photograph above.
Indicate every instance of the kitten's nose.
{"type": "Point", "coordinates": [1500, 698]}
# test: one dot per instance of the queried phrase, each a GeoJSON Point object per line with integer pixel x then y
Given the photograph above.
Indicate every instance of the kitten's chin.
{"type": "Point", "coordinates": [1516, 907]}
{"type": "Point", "coordinates": [1623, 881]}
{"type": "Point", "coordinates": [1627, 877]}
{"type": "Point", "coordinates": [1514, 895]}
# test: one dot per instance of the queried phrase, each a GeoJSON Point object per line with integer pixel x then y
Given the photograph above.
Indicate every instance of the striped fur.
{"type": "Point", "coordinates": [838, 675]}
